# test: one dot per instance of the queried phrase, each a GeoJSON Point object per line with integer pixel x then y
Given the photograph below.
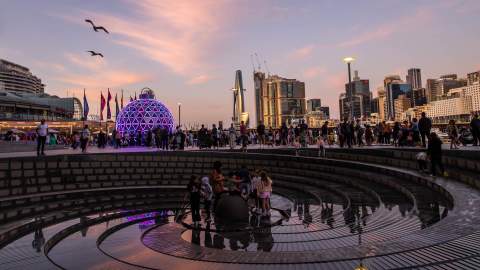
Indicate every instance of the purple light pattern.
{"type": "Point", "coordinates": [144, 115]}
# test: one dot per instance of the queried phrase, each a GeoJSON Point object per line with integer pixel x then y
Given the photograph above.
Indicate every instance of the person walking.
{"type": "Point", "coordinates": [244, 136]}
{"type": "Point", "coordinates": [369, 135]}
{"type": "Point", "coordinates": [84, 137]}
{"type": "Point", "coordinates": [434, 152]}
{"type": "Point", "coordinates": [261, 134]}
{"type": "Point", "coordinates": [42, 132]}
{"type": "Point", "coordinates": [424, 126]}
{"type": "Point", "coordinates": [193, 188]}
{"type": "Point", "coordinates": [452, 134]}
{"type": "Point", "coordinates": [360, 129]}
{"type": "Point", "coordinates": [232, 136]}
{"type": "Point", "coordinates": [207, 195]}
{"type": "Point", "coordinates": [475, 128]}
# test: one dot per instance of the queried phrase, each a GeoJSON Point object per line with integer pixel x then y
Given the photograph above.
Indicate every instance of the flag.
{"type": "Point", "coordinates": [117, 109]}
{"type": "Point", "coordinates": [109, 112]}
{"type": "Point", "coordinates": [121, 101]}
{"type": "Point", "coordinates": [102, 105]}
{"type": "Point", "coordinates": [85, 106]}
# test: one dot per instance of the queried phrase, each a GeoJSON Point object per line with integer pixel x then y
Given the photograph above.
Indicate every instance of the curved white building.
{"type": "Point", "coordinates": [17, 78]}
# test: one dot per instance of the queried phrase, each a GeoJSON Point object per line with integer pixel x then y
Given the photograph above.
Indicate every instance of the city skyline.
{"type": "Point", "coordinates": [188, 51]}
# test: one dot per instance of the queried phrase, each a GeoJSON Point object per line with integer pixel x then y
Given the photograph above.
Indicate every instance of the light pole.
{"type": "Point", "coordinates": [349, 60]}
{"type": "Point", "coordinates": [179, 114]}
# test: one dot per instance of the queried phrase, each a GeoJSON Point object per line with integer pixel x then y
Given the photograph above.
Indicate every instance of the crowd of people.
{"type": "Point", "coordinates": [255, 187]}
{"type": "Point", "coordinates": [414, 133]}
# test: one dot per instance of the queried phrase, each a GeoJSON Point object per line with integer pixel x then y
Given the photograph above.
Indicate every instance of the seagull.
{"type": "Point", "coordinates": [95, 53]}
{"type": "Point", "coordinates": [96, 28]}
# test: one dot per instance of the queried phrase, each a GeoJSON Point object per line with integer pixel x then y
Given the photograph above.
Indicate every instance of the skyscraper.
{"type": "Point", "coordinates": [258, 81]}
{"type": "Point", "coordinates": [414, 78]}
{"type": "Point", "coordinates": [437, 88]}
{"type": "Point", "coordinates": [279, 100]}
{"type": "Point", "coordinates": [314, 104]}
{"type": "Point", "coordinates": [239, 113]}
{"type": "Point", "coordinates": [361, 98]}
{"type": "Point", "coordinates": [473, 78]}
{"type": "Point", "coordinates": [395, 87]}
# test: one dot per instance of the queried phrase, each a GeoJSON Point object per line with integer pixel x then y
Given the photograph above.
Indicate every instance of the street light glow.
{"type": "Point", "coordinates": [179, 104]}
{"type": "Point", "coordinates": [348, 59]}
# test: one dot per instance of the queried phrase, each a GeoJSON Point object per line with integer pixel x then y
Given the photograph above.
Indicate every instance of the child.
{"type": "Point", "coordinates": [194, 191]}
{"type": "Point", "coordinates": [422, 161]}
{"type": "Point", "coordinates": [321, 146]}
{"type": "Point", "coordinates": [255, 185]}
{"type": "Point", "coordinates": [264, 192]}
{"type": "Point", "coordinates": [207, 195]}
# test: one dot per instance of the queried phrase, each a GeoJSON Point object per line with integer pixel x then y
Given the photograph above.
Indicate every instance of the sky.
{"type": "Point", "coordinates": [187, 51]}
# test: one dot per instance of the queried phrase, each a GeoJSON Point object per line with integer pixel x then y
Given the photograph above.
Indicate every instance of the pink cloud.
{"type": "Point", "coordinates": [313, 72]}
{"type": "Point", "coordinates": [110, 78]}
{"type": "Point", "coordinates": [421, 16]}
{"type": "Point", "coordinates": [302, 53]}
{"type": "Point", "coordinates": [86, 61]}
{"type": "Point", "coordinates": [176, 34]}
{"type": "Point", "coordinates": [200, 79]}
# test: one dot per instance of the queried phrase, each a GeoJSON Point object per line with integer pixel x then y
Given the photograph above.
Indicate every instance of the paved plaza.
{"type": "Point", "coordinates": [125, 209]}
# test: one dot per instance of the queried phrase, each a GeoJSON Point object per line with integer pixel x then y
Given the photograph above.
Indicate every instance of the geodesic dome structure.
{"type": "Point", "coordinates": [143, 115]}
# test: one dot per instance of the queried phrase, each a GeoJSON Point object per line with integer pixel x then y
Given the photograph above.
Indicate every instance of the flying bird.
{"type": "Point", "coordinates": [95, 53]}
{"type": "Point", "coordinates": [96, 28]}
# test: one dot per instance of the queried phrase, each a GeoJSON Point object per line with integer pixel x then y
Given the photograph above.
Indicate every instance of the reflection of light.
{"type": "Point", "coordinates": [149, 222]}
{"type": "Point", "coordinates": [361, 267]}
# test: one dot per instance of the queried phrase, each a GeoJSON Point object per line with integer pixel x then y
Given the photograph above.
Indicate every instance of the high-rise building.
{"type": "Point", "coordinates": [414, 78]}
{"type": "Point", "coordinates": [239, 113]}
{"type": "Point", "coordinates": [419, 96]}
{"type": "Point", "coordinates": [282, 100]}
{"type": "Point", "coordinates": [326, 111]}
{"type": "Point", "coordinates": [361, 98]}
{"type": "Point", "coordinates": [473, 78]}
{"type": "Point", "coordinates": [401, 104]}
{"type": "Point", "coordinates": [437, 88]}
{"type": "Point", "coordinates": [382, 104]}
{"type": "Point", "coordinates": [258, 82]}
{"type": "Point", "coordinates": [395, 87]}
{"type": "Point", "coordinates": [313, 104]}
{"type": "Point", "coordinates": [17, 78]}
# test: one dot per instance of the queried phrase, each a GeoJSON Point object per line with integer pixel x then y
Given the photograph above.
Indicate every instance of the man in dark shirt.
{"type": "Point", "coordinates": [424, 126]}
{"type": "Point", "coordinates": [475, 127]}
{"type": "Point", "coordinates": [261, 133]}
{"type": "Point", "coordinates": [434, 152]}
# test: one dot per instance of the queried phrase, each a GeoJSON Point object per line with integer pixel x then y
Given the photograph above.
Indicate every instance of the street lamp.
{"type": "Point", "coordinates": [349, 60]}
{"type": "Point", "coordinates": [179, 114]}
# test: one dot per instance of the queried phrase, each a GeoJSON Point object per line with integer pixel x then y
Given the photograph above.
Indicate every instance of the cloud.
{"type": "Point", "coordinates": [109, 78]}
{"type": "Point", "coordinates": [302, 53]}
{"type": "Point", "coordinates": [313, 72]}
{"type": "Point", "coordinates": [177, 34]}
{"type": "Point", "coordinates": [86, 61]}
{"type": "Point", "coordinates": [405, 23]}
{"type": "Point", "coordinates": [55, 67]}
{"type": "Point", "coordinates": [200, 79]}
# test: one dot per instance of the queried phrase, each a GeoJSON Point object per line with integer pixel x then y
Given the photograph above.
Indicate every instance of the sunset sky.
{"type": "Point", "coordinates": [188, 50]}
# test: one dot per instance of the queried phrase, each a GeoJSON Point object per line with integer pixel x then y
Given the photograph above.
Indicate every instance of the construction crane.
{"type": "Point", "coordinates": [253, 64]}
{"type": "Point", "coordinates": [258, 62]}
{"type": "Point", "coordinates": [266, 67]}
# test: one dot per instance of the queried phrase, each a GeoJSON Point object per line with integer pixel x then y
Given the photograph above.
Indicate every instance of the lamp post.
{"type": "Point", "coordinates": [349, 60]}
{"type": "Point", "coordinates": [179, 114]}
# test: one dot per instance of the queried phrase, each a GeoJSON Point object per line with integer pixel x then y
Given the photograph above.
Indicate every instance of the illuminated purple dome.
{"type": "Point", "coordinates": [144, 114]}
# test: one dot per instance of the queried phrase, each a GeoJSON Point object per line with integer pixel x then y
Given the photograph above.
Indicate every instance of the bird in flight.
{"type": "Point", "coordinates": [96, 28]}
{"type": "Point", "coordinates": [95, 53]}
